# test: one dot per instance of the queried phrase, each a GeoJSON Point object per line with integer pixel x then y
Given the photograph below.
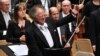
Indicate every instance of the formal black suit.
{"type": "Point", "coordinates": [95, 30]}
{"type": "Point", "coordinates": [51, 21]}
{"type": "Point", "coordinates": [14, 32]}
{"type": "Point", "coordinates": [95, 25]}
{"type": "Point", "coordinates": [36, 41]}
{"type": "Point", "coordinates": [62, 28]}
{"type": "Point", "coordinates": [65, 30]}
{"type": "Point", "coordinates": [2, 25]}
{"type": "Point", "coordinates": [87, 10]}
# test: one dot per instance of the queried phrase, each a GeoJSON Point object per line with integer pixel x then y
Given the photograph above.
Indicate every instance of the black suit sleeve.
{"type": "Point", "coordinates": [2, 26]}
{"type": "Point", "coordinates": [65, 20]}
{"type": "Point", "coordinates": [92, 29]}
{"type": "Point", "coordinates": [1, 33]}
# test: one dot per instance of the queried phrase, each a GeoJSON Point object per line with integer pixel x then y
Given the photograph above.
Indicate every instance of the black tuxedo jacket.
{"type": "Point", "coordinates": [14, 32]}
{"type": "Point", "coordinates": [2, 24]}
{"type": "Point", "coordinates": [36, 41]}
{"type": "Point", "coordinates": [65, 28]}
{"type": "Point", "coordinates": [95, 30]}
{"type": "Point", "coordinates": [62, 28]}
{"type": "Point", "coordinates": [66, 31]}
{"type": "Point", "coordinates": [95, 26]}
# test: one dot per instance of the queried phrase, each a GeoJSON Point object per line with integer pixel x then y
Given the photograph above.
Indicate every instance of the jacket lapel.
{"type": "Point", "coordinates": [40, 35]}
{"type": "Point", "coordinates": [54, 37]}
{"type": "Point", "coordinates": [51, 32]}
{"type": "Point", "coordinates": [2, 21]}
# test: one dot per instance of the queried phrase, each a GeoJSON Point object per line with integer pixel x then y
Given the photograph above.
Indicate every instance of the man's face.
{"type": "Point", "coordinates": [40, 16]}
{"type": "Point", "coordinates": [66, 6]}
{"type": "Point", "coordinates": [55, 14]}
{"type": "Point", "coordinates": [5, 6]}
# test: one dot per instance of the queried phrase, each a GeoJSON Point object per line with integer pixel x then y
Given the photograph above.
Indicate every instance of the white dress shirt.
{"type": "Point", "coordinates": [59, 33]}
{"type": "Point", "coordinates": [44, 29]}
{"type": "Point", "coordinates": [6, 18]}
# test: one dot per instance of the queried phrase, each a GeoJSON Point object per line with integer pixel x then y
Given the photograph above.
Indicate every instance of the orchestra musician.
{"type": "Point", "coordinates": [94, 30]}
{"type": "Point", "coordinates": [18, 25]}
{"type": "Point", "coordinates": [5, 16]}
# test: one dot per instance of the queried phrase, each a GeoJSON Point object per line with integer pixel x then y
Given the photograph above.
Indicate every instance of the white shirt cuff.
{"type": "Point", "coordinates": [4, 32]}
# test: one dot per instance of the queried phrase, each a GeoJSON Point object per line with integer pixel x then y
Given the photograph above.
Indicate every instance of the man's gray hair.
{"type": "Point", "coordinates": [33, 10]}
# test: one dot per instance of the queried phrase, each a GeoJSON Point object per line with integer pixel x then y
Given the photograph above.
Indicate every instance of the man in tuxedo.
{"type": "Point", "coordinates": [40, 34]}
{"type": "Point", "coordinates": [55, 16]}
{"type": "Point", "coordinates": [4, 17]}
{"type": "Point", "coordinates": [90, 6]}
{"type": "Point", "coordinates": [67, 29]}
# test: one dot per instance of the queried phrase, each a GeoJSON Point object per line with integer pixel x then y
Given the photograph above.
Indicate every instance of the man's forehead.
{"type": "Point", "coordinates": [53, 9]}
{"type": "Point", "coordinates": [66, 2]}
{"type": "Point", "coordinates": [4, 1]}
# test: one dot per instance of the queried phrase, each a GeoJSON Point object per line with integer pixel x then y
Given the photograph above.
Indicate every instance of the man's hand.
{"type": "Point", "coordinates": [77, 30]}
{"type": "Point", "coordinates": [64, 38]}
{"type": "Point", "coordinates": [75, 10]}
{"type": "Point", "coordinates": [94, 48]}
{"type": "Point", "coordinates": [80, 6]}
{"type": "Point", "coordinates": [23, 38]}
{"type": "Point", "coordinates": [67, 45]}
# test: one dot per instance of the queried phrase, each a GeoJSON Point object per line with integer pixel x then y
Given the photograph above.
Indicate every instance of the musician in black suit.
{"type": "Point", "coordinates": [5, 16]}
{"type": "Point", "coordinates": [17, 26]}
{"type": "Point", "coordinates": [94, 30]}
{"type": "Point", "coordinates": [40, 34]}
{"type": "Point", "coordinates": [90, 6]}
{"type": "Point", "coordinates": [67, 29]}
{"type": "Point", "coordinates": [55, 16]}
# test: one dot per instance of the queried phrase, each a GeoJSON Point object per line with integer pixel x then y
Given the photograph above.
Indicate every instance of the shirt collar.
{"type": "Point", "coordinates": [4, 12]}
{"type": "Point", "coordinates": [44, 25]}
{"type": "Point", "coordinates": [65, 14]}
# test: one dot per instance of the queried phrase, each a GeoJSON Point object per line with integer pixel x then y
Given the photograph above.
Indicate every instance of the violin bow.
{"type": "Point", "coordinates": [80, 3]}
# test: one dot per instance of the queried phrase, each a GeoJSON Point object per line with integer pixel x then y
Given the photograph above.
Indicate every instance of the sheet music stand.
{"type": "Point", "coordinates": [57, 51]}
